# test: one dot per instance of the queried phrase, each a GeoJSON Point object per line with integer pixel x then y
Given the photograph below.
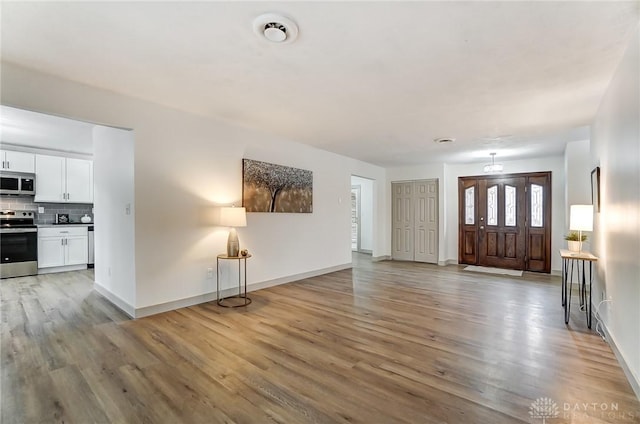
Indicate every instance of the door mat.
{"type": "Point", "coordinates": [489, 270]}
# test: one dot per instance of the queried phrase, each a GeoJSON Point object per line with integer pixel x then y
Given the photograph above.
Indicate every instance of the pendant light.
{"type": "Point", "coordinates": [493, 167]}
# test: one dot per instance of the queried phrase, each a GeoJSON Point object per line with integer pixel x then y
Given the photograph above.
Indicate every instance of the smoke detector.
{"type": "Point", "coordinates": [275, 28]}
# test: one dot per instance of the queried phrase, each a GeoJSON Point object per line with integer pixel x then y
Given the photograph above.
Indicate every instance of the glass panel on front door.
{"type": "Point", "coordinates": [509, 206]}
{"type": "Point", "coordinates": [469, 206]}
{"type": "Point", "coordinates": [537, 206]}
{"type": "Point", "coordinates": [492, 205]}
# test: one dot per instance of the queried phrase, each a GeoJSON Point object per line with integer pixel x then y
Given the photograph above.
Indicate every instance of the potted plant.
{"type": "Point", "coordinates": [575, 241]}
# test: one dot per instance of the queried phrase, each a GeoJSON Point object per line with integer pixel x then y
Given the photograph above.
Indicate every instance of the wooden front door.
{"type": "Point", "coordinates": [505, 221]}
{"type": "Point", "coordinates": [501, 206]}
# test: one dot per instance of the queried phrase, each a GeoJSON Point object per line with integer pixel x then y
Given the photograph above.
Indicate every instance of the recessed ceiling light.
{"type": "Point", "coordinates": [444, 140]}
{"type": "Point", "coordinates": [275, 28]}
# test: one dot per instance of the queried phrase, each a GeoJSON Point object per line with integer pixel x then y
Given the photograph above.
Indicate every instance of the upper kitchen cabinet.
{"type": "Point", "coordinates": [63, 180]}
{"type": "Point", "coordinates": [17, 161]}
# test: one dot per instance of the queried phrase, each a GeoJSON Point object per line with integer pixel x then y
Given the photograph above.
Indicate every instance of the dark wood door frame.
{"type": "Point", "coordinates": [537, 249]}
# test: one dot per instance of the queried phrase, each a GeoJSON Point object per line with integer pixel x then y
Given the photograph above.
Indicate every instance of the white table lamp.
{"type": "Point", "coordinates": [581, 219]}
{"type": "Point", "coordinates": [233, 217]}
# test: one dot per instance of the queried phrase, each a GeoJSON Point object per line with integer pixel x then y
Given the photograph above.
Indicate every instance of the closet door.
{"type": "Point", "coordinates": [403, 224]}
{"type": "Point", "coordinates": [426, 221]}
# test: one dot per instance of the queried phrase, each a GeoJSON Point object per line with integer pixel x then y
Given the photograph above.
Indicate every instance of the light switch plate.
{"type": "Point", "coordinates": [40, 209]}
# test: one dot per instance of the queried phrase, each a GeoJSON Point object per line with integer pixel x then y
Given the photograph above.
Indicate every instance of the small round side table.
{"type": "Point", "coordinates": [222, 302]}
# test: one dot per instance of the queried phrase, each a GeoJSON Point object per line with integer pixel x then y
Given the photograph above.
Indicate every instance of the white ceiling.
{"type": "Point", "coordinates": [377, 81]}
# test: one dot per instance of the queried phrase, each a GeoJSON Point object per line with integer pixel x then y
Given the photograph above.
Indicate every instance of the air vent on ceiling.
{"type": "Point", "coordinates": [275, 28]}
{"type": "Point", "coordinates": [444, 140]}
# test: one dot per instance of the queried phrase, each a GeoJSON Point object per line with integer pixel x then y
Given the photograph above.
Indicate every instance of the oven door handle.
{"type": "Point", "coordinates": [18, 230]}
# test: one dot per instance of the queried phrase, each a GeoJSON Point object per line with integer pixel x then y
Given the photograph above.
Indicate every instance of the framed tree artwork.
{"type": "Point", "coordinates": [267, 187]}
{"type": "Point", "coordinates": [595, 189]}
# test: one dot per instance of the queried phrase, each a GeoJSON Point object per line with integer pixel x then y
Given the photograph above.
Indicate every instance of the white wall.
{"type": "Point", "coordinates": [184, 165]}
{"type": "Point", "coordinates": [114, 226]}
{"type": "Point", "coordinates": [615, 147]}
{"type": "Point", "coordinates": [366, 211]}
{"type": "Point", "coordinates": [577, 170]}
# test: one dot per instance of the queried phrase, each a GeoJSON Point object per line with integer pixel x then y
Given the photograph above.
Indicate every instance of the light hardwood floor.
{"type": "Point", "coordinates": [386, 342]}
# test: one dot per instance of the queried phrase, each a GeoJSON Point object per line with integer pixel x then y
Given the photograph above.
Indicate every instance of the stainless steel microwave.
{"type": "Point", "coordinates": [17, 184]}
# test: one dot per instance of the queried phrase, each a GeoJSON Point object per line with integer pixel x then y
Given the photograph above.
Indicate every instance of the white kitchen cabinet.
{"type": "Point", "coordinates": [62, 246]}
{"type": "Point", "coordinates": [18, 161]}
{"type": "Point", "coordinates": [50, 179]}
{"type": "Point", "coordinates": [50, 251]}
{"type": "Point", "coordinates": [76, 250]}
{"type": "Point", "coordinates": [79, 181]}
{"type": "Point", "coordinates": [63, 180]}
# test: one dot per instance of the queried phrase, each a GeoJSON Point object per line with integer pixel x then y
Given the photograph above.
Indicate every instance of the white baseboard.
{"type": "Point", "coordinates": [210, 297]}
{"type": "Point", "coordinates": [448, 262]}
{"type": "Point", "coordinates": [631, 377]}
{"type": "Point", "coordinates": [66, 268]}
{"type": "Point", "coordinates": [115, 300]}
{"type": "Point", "coordinates": [182, 303]}
{"type": "Point", "coordinates": [380, 258]}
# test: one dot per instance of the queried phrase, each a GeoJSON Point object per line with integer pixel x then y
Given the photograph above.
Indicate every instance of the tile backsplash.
{"type": "Point", "coordinates": [75, 211]}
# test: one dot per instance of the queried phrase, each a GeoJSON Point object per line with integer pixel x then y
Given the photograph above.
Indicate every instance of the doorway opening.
{"type": "Point", "coordinates": [362, 214]}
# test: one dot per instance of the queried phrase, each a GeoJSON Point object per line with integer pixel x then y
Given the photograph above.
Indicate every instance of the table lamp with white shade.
{"type": "Point", "coordinates": [233, 217]}
{"type": "Point", "coordinates": [581, 219]}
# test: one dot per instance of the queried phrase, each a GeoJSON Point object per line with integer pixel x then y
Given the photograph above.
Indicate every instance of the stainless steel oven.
{"type": "Point", "coordinates": [18, 244]}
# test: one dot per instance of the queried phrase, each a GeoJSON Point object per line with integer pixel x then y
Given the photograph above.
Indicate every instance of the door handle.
{"type": "Point", "coordinates": [482, 227]}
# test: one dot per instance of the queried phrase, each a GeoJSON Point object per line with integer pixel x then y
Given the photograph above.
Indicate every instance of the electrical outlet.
{"type": "Point", "coordinates": [40, 209]}
{"type": "Point", "coordinates": [209, 272]}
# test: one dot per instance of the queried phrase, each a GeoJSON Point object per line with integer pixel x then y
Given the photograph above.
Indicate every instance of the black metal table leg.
{"type": "Point", "coordinates": [583, 286]}
{"type": "Point", "coordinates": [588, 308]}
{"type": "Point", "coordinates": [564, 282]}
{"type": "Point", "coordinates": [569, 287]}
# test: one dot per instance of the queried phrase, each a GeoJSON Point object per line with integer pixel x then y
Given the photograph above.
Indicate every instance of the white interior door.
{"type": "Point", "coordinates": [403, 221]}
{"type": "Point", "coordinates": [415, 221]}
{"type": "Point", "coordinates": [426, 221]}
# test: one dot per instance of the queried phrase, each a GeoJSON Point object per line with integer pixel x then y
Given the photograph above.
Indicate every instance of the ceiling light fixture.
{"type": "Point", "coordinates": [493, 166]}
{"type": "Point", "coordinates": [275, 28]}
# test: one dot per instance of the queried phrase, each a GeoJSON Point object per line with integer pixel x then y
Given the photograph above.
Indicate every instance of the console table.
{"type": "Point", "coordinates": [246, 299]}
{"type": "Point", "coordinates": [580, 261]}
